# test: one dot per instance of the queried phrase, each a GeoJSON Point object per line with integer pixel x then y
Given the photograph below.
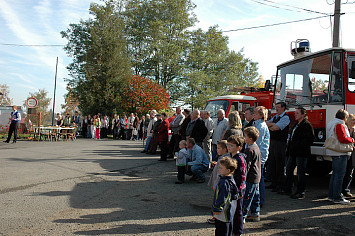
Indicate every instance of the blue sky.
{"type": "Point", "coordinates": [39, 22]}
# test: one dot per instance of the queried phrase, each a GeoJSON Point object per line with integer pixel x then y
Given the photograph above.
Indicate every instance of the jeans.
{"type": "Point", "coordinates": [336, 180]}
{"type": "Point", "coordinates": [89, 132]}
{"type": "Point", "coordinates": [147, 143]}
{"type": "Point", "coordinates": [262, 187]}
{"type": "Point", "coordinates": [301, 163]}
{"type": "Point", "coordinates": [214, 152]}
{"type": "Point", "coordinates": [251, 200]}
{"type": "Point", "coordinates": [198, 171]}
{"type": "Point", "coordinates": [348, 177]}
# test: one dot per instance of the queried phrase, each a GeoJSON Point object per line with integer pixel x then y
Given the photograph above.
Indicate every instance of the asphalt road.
{"type": "Point", "coordinates": [108, 187]}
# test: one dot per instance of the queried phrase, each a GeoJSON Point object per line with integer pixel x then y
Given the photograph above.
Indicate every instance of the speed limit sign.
{"type": "Point", "coordinates": [31, 102]}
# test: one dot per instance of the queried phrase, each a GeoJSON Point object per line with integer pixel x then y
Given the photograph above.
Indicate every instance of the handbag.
{"type": "Point", "coordinates": [332, 143]}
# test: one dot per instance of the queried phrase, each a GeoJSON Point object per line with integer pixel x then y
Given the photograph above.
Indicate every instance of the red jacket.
{"type": "Point", "coordinates": [340, 131]}
{"type": "Point", "coordinates": [163, 131]}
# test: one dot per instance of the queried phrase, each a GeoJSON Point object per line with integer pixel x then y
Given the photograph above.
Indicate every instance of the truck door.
{"type": "Point", "coordinates": [350, 85]}
{"type": "Point", "coordinates": [235, 107]}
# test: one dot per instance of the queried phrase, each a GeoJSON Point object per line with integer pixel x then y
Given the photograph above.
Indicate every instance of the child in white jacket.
{"type": "Point", "coordinates": [181, 162]}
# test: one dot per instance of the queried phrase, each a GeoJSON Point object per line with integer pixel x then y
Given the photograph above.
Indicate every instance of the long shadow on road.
{"type": "Point", "coordinates": [139, 197]}
{"type": "Point", "coordinates": [135, 193]}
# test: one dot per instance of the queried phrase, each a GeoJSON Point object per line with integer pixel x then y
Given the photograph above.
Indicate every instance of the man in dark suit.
{"type": "Point", "coordinates": [196, 129]}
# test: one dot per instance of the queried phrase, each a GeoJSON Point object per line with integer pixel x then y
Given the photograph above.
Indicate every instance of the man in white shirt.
{"type": "Point", "coordinates": [219, 127]}
{"type": "Point", "coordinates": [15, 119]}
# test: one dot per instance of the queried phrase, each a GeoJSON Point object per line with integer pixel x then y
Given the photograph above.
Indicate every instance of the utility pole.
{"type": "Point", "coordinates": [55, 88]}
{"type": "Point", "coordinates": [336, 28]}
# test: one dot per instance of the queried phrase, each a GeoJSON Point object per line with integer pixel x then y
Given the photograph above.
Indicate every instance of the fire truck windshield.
{"type": "Point", "coordinates": [307, 82]}
{"type": "Point", "coordinates": [214, 106]}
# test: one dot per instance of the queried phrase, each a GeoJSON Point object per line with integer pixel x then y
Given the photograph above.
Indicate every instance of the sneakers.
{"type": "Point", "coordinates": [298, 196]}
{"type": "Point", "coordinates": [253, 218]}
{"type": "Point", "coordinates": [347, 194]}
{"type": "Point", "coordinates": [211, 221]}
{"type": "Point", "coordinates": [342, 201]}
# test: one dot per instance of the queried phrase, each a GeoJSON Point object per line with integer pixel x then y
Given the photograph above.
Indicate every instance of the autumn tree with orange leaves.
{"type": "Point", "coordinates": [144, 95]}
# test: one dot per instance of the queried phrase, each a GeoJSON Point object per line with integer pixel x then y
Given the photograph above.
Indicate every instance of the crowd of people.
{"type": "Point", "coordinates": [241, 150]}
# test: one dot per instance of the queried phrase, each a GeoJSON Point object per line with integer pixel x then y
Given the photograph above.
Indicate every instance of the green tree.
{"type": "Point", "coordinates": [100, 69]}
{"type": "Point", "coordinates": [211, 69]}
{"type": "Point", "coordinates": [42, 107]}
{"type": "Point", "coordinates": [5, 100]}
{"type": "Point", "coordinates": [158, 35]}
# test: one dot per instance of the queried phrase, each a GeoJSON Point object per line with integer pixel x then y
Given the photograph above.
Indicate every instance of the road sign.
{"type": "Point", "coordinates": [31, 102]}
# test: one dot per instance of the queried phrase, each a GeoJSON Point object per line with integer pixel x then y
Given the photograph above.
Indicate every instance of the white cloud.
{"type": "Point", "coordinates": [21, 77]}
{"type": "Point", "coordinates": [27, 86]}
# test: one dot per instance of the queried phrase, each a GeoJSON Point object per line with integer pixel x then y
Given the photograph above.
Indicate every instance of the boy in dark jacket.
{"type": "Point", "coordinates": [224, 200]}
{"type": "Point", "coordinates": [252, 196]}
{"type": "Point", "coordinates": [235, 144]}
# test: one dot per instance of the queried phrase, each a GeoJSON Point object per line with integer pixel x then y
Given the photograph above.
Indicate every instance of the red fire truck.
{"type": "Point", "coordinates": [322, 82]}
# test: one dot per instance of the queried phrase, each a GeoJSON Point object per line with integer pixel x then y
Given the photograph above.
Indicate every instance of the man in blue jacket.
{"type": "Point", "coordinates": [197, 163]}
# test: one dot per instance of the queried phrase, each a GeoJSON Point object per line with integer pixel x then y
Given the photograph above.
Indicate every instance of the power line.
{"type": "Point", "coordinates": [273, 6]}
{"type": "Point", "coordinates": [289, 6]}
{"type": "Point", "coordinates": [300, 8]}
{"type": "Point", "coordinates": [282, 23]}
{"type": "Point", "coordinates": [31, 45]}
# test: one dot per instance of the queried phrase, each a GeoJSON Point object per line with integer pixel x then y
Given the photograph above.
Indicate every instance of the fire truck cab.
{"type": "Point", "coordinates": [229, 103]}
{"type": "Point", "coordinates": [248, 97]}
{"type": "Point", "coordinates": [322, 82]}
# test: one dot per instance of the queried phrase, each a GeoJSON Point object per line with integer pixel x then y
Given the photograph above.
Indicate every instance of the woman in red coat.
{"type": "Point", "coordinates": [163, 136]}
